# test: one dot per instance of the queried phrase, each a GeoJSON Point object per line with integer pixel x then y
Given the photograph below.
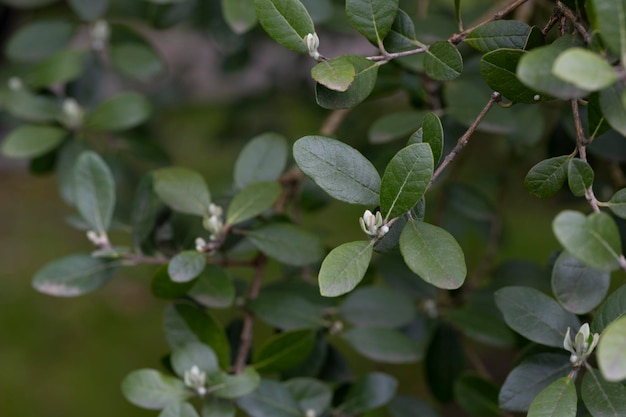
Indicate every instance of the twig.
{"type": "Point", "coordinates": [495, 97]}
{"type": "Point", "coordinates": [333, 121]}
{"type": "Point", "coordinates": [572, 17]}
{"type": "Point", "coordinates": [386, 57]}
{"type": "Point", "coordinates": [581, 144]}
{"type": "Point", "coordinates": [248, 321]}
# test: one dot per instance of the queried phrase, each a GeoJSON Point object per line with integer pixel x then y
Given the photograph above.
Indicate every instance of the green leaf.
{"type": "Point", "coordinates": [443, 62]}
{"type": "Point", "coordinates": [283, 351]}
{"type": "Point", "coordinates": [534, 315]}
{"type": "Point", "coordinates": [613, 308]}
{"type": "Point", "coordinates": [585, 69]}
{"type": "Point", "coordinates": [217, 407]}
{"type": "Point", "coordinates": [186, 265]}
{"type": "Point", "coordinates": [31, 141]}
{"type": "Point", "coordinates": [336, 74]}
{"type": "Point", "coordinates": [137, 60]}
{"type": "Point", "coordinates": [64, 66]}
{"type": "Point", "coordinates": [613, 107]}
{"type": "Point", "coordinates": [176, 409]}
{"type": "Point", "coordinates": [310, 393]}
{"type": "Point", "coordinates": [344, 267]}
{"type": "Point", "coordinates": [183, 190]}
{"type": "Point", "coordinates": [548, 176]}
{"type": "Point", "coordinates": [405, 180]}
{"type": "Point", "coordinates": [67, 156]}
{"type": "Point", "coordinates": [394, 126]}
{"type": "Point", "coordinates": [476, 395]}
{"type": "Point", "coordinates": [271, 399]}
{"type": "Point", "coordinates": [94, 190]}
{"type": "Point", "coordinates": [481, 326]}
{"type": "Point", "coordinates": [228, 386]}
{"type": "Point", "coordinates": [287, 311]}
{"type": "Point", "coordinates": [262, 159]}
{"type": "Point", "coordinates": [579, 176]}
{"type": "Point", "coordinates": [432, 134]}
{"type": "Point", "coordinates": [593, 240]}
{"type": "Point", "coordinates": [286, 243]}
{"type": "Point", "coordinates": [148, 388]}
{"type": "Point", "coordinates": [324, 160]}
{"type": "Point", "coordinates": [194, 354]}
{"type": "Point", "coordinates": [433, 254]}
{"type": "Point", "coordinates": [401, 37]}
{"type": "Point", "coordinates": [498, 70]}
{"type": "Point", "coordinates": [239, 15]}
{"type": "Point", "coordinates": [369, 392]}
{"type": "Point", "coordinates": [213, 288]}
{"type": "Point", "coordinates": [89, 10]}
{"type": "Point", "coordinates": [144, 211]}
{"type": "Point", "coordinates": [365, 74]}
{"type": "Point", "coordinates": [383, 345]}
{"type": "Point", "coordinates": [535, 70]}
{"type": "Point", "coordinates": [444, 362]}
{"type": "Point", "coordinates": [184, 323]}
{"type": "Point", "coordinates": [286, 21]}
{"type": "Point", "coordinates": [30, 107]}
{"type": "Point", "coordinates": [609, 18]}
{"type": "Point", "coordinates": [73, 275]}
{"type": "Point", "coordinates": [603, 398]}
{"type": "Point", "coordinates": [611, 350]}
{"type": "Point", "coordinates": [578, 287]}
{"type": "Point", "coordinates": [252, 201]}
{"type": "Point", "coordinates": [164, 287]}
{"type": "Point", "coordinates": [559, 399]}
{"type": "Point", "coordinates": [39, 39]}
{"type": "Point", "coordinates": [617, 203]}
{"type": "Point", "coordinates": [530, 377]}
{"type": "Point", "coordinates": [509, 34]}
{"type": "Point", "coordinates": [378, 307]}
{"type": "Point", "coordinates": [372, 18]}
{"type": "Point", "coordinates": [124, 111]}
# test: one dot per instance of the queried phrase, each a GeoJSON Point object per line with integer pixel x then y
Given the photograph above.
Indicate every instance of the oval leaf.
{"type": "Point", "coordinates": [372, 18]}
{"type": "Point", "coordinates": [498, 69]}
{"type": "Point", "coordinates": [186, 266]}
{"type": "Point", "coordinates": [432, 134]}
{"type": "Point", "coordinates": [252, 201]}
{"type": "Point", "coordinates": [183, 190]}
{"type": "Point", "coordinates": [611, 350]}
{"type": "Point", "coordinates": [584, 68]}
{"type": "Point", "coordinates": [547, 177]}
{"type": "Point", "coordinates": [336, 74]}
{"type": "Point", "coordinates": [286, 21]}
{"type": "Point", "coordinates": [194, 354]}
{"type": "Point", "coordinates": [603, 398]}
{"type": "Point", "coordinates": [287, 311]}
{"type": "Point", "coordinates": [617, 203]}
{"type": "Point", "coordinates": [559, 399]}
{"type": "Point", "coordinates": [39, 39]}
{"type": "Point", "coordinates": [271, 399]}
{"type": "Point", "coordinates": [579, 176]}
{"type": "Point", "coordinates": [613, 107]}
{"type": "Point", "coordinates": [153, 390]}
{"type": "Point", "coordinates": [510, 34]}
{"type": "Point", "coordinates": [443, 62]}
{"type": "Point", "coordinates": [30, 141]}
{"type": "Point", "coordinates": [94, 191]}
{"type": "Point", "coordinates": [60, 68]}
{"type": "Point", "coordinates": [344, 267]}
{"type": "Point", "coordinates": [287, 243]}
{"type": "Point", "coordinates": [383, 345]}
{"type": "Point", "coordinates": [239, 15]}
{"type": "Point", "coordinates": [608, 19]}
{"type": "Point", "coordinates": [365, 74]}
{"type": "Point", "coordinates": [613, 308]}
{"type": "Point", "coordinates": [262, 159]}
{"type": "Point", "coordinates": [224, 385]}
{"type": "Point", "coordinates": [124, 111]}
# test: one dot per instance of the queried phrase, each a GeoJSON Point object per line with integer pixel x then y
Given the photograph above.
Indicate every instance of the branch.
{"type": "Point", "coordinates": [386, 57]}
{"type": "Point", "coordinates": [567, 12]}
{"type": "Point", "coordinates": [495, 97]}
{"type": "Point", "coordinates": [581, 144]}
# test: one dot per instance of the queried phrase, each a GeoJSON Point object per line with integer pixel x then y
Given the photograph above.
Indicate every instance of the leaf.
{"type": "Point", "coordinates": [252, 201]}
{"type": "Point", "coordinates": [617, 203]}
{"type": "Point", "coordinates": [498, 69]}
{"type": "Point", "coordinates": [613, 308]}
{"type": "Point", "coordinates": [136, 60]}
{"type": "Point", "coordinates": [609, 18]}
{"type": "Point", "coordinates": [175, 409]}
{"type": "Point", "coordinates": [443, 62]}
{"type": "Point", "coordinates": [194, 354]}
{"type": "Point", "coordinates": [476, 395]}
{"type": "Point", "coordinates": [365, 74]}
{"type": "Point", "coordinates": [344, 267]}
{"type": "Point", "coordinates": [310, 393]}
{"type": "Point", "coordinates": [401, 36]}
{"type": "Point", "coordinates": [593, 240]}
{"type": "Point", "coordinates": [613, 107]}
{"type": "Point", "coordinates": [530, 377]}
{"type": "Point", "coordinates": [148, 388]}
{"type": "Point", "coordinates": [284, 351]}
{"type": "Point", "coordinates": [64, 66]}
{"type": "Point", "coordinates": [183, 190]}
{"type": "Point", "coordinates": [213, 288]}
{"type": "Point", "coordinates": [579, 176]}
{"type": "Point", "coordinates": [338, 169]}
{"type": "Point", "coordinates": [405, 179]}
{"type": "Point", "coordinates": [369, 392]}
{"type": "Point", "coordinates": [144, 211]}
{"type": "Point", "coordinates": [335, 74]}
{"type": "Point", "coordinates": [433, 254]}
{"type": "Point", "coordinates": [534, 315]}
{"type": "Point", "coordinates": [383, 345]}
{"type": "Point", "coordinates": [611, 350]}
{"type": "Point", "coordinates": [585, 69]}
{"type": "Point", "coordinates": [124, 111]}
{"type": "Point", "coordinates": [394, 126]}
{"type": "Point", "coordinates": [498, 34]}
{"type": "Point", "coordinates": [432, 134]}
{"type": "Point", "coordinates": [186, 265]}
{"type": "Point", "coordinates": [286, 243]}
{"type": "Point", "coordinates": [271, 399]}
{"type": "Point", "coordinates": [164, 287]}
{"type": "Point", "coordinates": [73, 275]}
{"type": "Point", "coordinates": [239, 15]}
{"type": "Point", "coordinates": [217, 407]}
{"type": "Point", "coordinates": [577, 287]}
{"type": "Point", "coordinates": [185, 323]}
{"type": "Point", "coordinates": [405, 406]}
{"type": "Point", "coordinates": [89, 10]}
{"type": "Point", "coordinates": [30, 107]}
{"type": "Point", "coordinates": [39, 39]}
{"type": "Point", "coordinates": [548, 176]}
{"type": "Point", "coordinates": [286, 21]}
{"type": "Point", "coordinates": [481, 326]}
{"type": "Point", "coordinates": [262, 159]}
{"type": "Point", "coordinates": [603, 398]}
{"type": "Point", "coordinates": [66, 159]}
{"type": "Point", "coordinates": [559, 399]}
{"type": "Point", "coordinates": [224, 385]}
{"type": "Point", "coordinates": [372, 18]}
{"type": "Point", "coordinates": [94, 190]}
{"type": "Point", "coordinates": [378, 307]}
{"type": "Point", "coordinates": [444, 362]}
{"type": "Point", "coordinates": [31, 141]}
{"type": "Point", "coordinates": [287, 311]}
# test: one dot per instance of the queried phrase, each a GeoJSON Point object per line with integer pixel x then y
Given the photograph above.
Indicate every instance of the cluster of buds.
{"type": "Point", "coordinates": [214, 222]}
{"type": "Point", "coordinates": [196, 380]}
{"type": "Point", "coordinates": [583, 345]}
{"type": "Point", "coordinates": [101, 240]}
{"type": "Point", "coordinates": [373, 225]}
{"type": "Point", "coordinates": [73, 113]}
{"type": "Point", "coordinates": [100, 33]}
{"type": "Point", "coordinates": [312, 42]}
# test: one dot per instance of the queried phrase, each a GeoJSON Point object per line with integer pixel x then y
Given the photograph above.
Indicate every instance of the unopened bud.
{"type": "Point", "coordinates": [100, 33]}
{"type": "Point", "coordinates": [15, 83]}
{"type": "Point", "coordinates": [312, 42]}
{"type": "Point", "coordinates": [73, 113]}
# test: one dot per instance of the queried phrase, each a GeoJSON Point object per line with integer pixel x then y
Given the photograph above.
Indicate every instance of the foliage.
{"type": "Point", "coordinates": [410, 289]}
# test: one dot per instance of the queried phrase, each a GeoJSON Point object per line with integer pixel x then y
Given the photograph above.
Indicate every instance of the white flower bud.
{"type": "Point", "coordinates": [100, 33]}
{"type": "Point", "coordinates": [200, 244]}
{"type": "Point", "coordinates": [15, 83]}
{"type": "Point", "coordinates": [583, 345]}
{"type": "Point", "coordinates": [373, 225]}
{"type": "Point", "coordinates": [215, 210]}
{"type": "Point", "coordinates": [196, 380]}
{"type": "Point", "coordinates": [312, 42]}
{"type": "Point", "coordinates": [73, 113]}
{"type": "Point", "coordinates": [310, 413]}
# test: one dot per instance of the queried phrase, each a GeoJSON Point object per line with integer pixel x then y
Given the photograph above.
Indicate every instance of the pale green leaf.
{"type": "Point", "coordinates": [613, 308]}
{"type": "Point", "coordinates": [584, 68]}
{"type": "Point", "coordinates": [344, 267]}
{"type": "Point", "coordinates": [603, 398]}
{"type": "Point", "coordinates": [262, 159]}
{"type": "Point", "coordinates": [498, 69]}
{"type": "Point", "coordinates": [39, 39]}
{"type": "Point", "coordinates": [94, 191]}
{"type": "Point", "coordinates": [178, 409]}
{"type": "Point", "coordinates": [310, 393]}
{"type": "Point", "coordinates": [148, 388]}
{"type": "Point", "coordinates": [369, 392]}
{"type": "Point", "coordinates": [31, 141]}
{"type": "Point", "coordinates": [186, 265]}
{"type": "Point", "coordinates": [271, 399]}
{"type": "Point", "coordinates": [218, 407]}
{"type": "Point", "coordinates": [252, 201]}
{"type": "Point", "coordinates": [124, 111]}
{"type": "Point", "coordinates": [365, 75]}
{"type": "Point", "coordinates": [579, 176]}
{"type": "Point", "coordinates": [224, 385]}
{"type": "Point", "coordinates": [194, 354]}
{"type": "Point", "coordinates": [336, 74]}
{"type": "Point", "coordinates": [617, 203]}
{"type": "Point", "coordinates": [611, 350]}
{"type": "Point", "coordinates": [239, 15]}
{"type": "Point", "coordinates": [213, 288]}
{"type": "Point", "coordinates": [286, 21]}
{"type": "Point", "coordinates": [559, 399]}
{"type": "Point", "coordinates": [183, 190]}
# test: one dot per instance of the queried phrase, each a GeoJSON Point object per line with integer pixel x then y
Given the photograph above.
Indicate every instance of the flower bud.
{"type": "Point", "coordinates": [312, 42]}
{"type": "Point", "coordinates": [583, 345]}
{"type": "Point", "coordinates": [196, 380]}
{"type": "Point", "coordinates": [15, 83]}
{"type": "Point", "coordinates": [100, 33]}
{"type": "Point", "coordinates": [73, 113]}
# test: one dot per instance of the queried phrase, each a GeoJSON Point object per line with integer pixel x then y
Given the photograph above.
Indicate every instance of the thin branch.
{"type": "Point", "coordinates": [495, 97]}
{"type": "Point", "coordinates": [581, 144]}
{"type": "Point", "coordinates": [333, 121]}
{"type": "Point", "coordinates": [567, 12]}
{"type": "Point", "coordinates": [386, 57]}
